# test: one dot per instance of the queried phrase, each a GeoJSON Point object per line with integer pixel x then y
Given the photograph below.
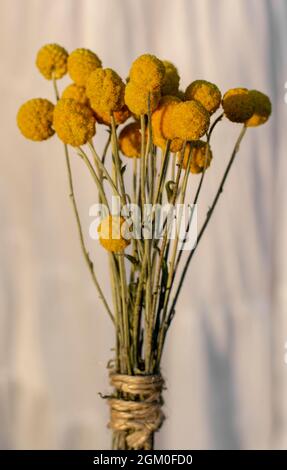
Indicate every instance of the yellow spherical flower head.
{"type": "Point", "coordinates": [238, 104]}
{"type": "Point", "coordinates": [160, 124]}
{"type": "Point", "coordinates": [105, 90]}
{"type": "Point", "coordinates": [75, 92]}
{"type": "Point", "coordinates": [136, 98]}
{"type": "Point", "coordinates": [113, 234]}
{"type": "Point", "coordinates": [206, 93]}
{"type": "Point", "coordinates": [189, 120]}
{"type": "Point", "coordinates": [171, 79]}
{"type": "Point", "coordinates": [120, 116]}
{"type": "Point", "coordinates": [262, 109]}
{"type": "Point", "coordinates": [74, 122]}
{"type": "Point", "coordinates": [147, 71]}
{"type": "Point", "coordinates": [201, 156]}
{"type": "Point", "coordinates": [130, 140]}
{"type": "Point", "coordinates": [81, 63]}
{"type": "Point", "coordinates": [52, 61]}
{"type": "Point", "coordinates": [35, 119]}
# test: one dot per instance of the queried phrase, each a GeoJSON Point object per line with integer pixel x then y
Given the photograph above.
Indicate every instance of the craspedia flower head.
{"type": "Point", "coordinates": [52, 61]}
{"type": "Point", "coordinates": [105, 90]}
{"type": "Point", "coordinates": [130, 140]}
{"type": "Point", "coordinates": [206, 93]}
{"type": "Point", "coordinates": [74, 122]}
{"type": "Point", "coordinates": [120, 116]}
{"type": "Point", "coordinates": [171, 79]}
{"type": "Point", "coordinates": [148, 72]}
{"type": "Point", "coordinates": [136, 98]}
{"type": "Point", "coordinates": [75, 92]}
{"type": "Point", "coordinates": [201, 156]}
{"type": "Point", "coordinates": [81, 63]}
{"type": "Point", "coordinates": [113, 234]}
{"type": "Point", "coordinates": [238, 104]}
{"type": "Point", "coordinates": [161, 122]}
{"type": "Point", "coordinates": [189, 120]}
{"type": "Point", "coordinates": [262, 109]}
{"type": "Point", "coordinates": [35, 119]}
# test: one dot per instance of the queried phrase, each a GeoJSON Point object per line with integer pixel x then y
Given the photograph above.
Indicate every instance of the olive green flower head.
{"type": "Point", "coordinates": [206, 93]}
{"type": "Point", "coordinates": [238, 104]}
{"type": "Point", "coordinates": [35, 119]}
{"type": "Point", "coordinates": [262, 109]}
{"type": "Point", "coordinates": [171, 79]}
{"type": "Point", "coordinates": [74, 122]}
{"type": "Point", "coordinates": [52, 61]}
{"type": "Point", "coordinates": [81, 63]}
{"type": "Point", "coordinates": [148, 72]}
{"type": "Point", "coordinates": [105, 90]}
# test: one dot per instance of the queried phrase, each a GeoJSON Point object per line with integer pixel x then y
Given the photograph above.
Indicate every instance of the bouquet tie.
{"type": "Point", "coordinates": [136, 409]}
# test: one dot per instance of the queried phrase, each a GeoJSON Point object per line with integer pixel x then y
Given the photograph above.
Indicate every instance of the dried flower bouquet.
{"type": "Point", "coordinates": [167, 139]}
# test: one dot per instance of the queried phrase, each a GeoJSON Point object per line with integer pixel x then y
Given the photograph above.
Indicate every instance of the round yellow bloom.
{"type": "Point", "coordinates": [74, 122]}
{"type": "Point", "coordinates": [262, 109]}
{"type": "Point", "coordinates": [160, 124]}
{"type": "Point", "coordinates": [130, 140]}
{"type": "Point", "coordinates": [238, 104]}
{"type": "Point", "coordinates": [113, 234]}
{"type": "Point", "coordinates": [189, 120]}
{"type": "Point", "coordinates": [171, 79]}
{"type": "Point", "coordinates": [206, 93]}
{"type": "Point", "coordinates": [201, 156]}
{"type": "Point", "coordinates": [35, 119]}
{"type": "Point", "coordinates": [52, 61]}
{"type": "Point", "coordinates": [75, 92]}
{"type": "Point", "coordinates": [105, 90]}
{"type": "Point", "coordinates": [136, 98]}
{"type": "Point", "coordinates": [147, 71]}
{"type": "Point", "coordinates": [120, 116]}
{"type": "Point", "coordinates": [81, 63]}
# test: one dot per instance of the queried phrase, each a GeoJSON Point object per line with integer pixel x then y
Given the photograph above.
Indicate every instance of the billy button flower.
{"type": "Point", "coordinates": [73, 122]}
{"type": "Point", "coordinates": [201, 156]}
{"type": "Point", "coordinates": [75, 92]}
{"type": "Point", "coordinates": [35, 119]}
{"type": "Point", "coordinates": [113, 234]}
{"type": "Point", "coordinates": [105, 90]}
{"type": "Point", "coordinates": [188, 120]}
{"type": "Point", "coordinates": [262, 109]}
{"type": "Point", "coordinates": [206, 93]}
{"type": "Point", "coordinates": [238, 104]}
{"type": "Point", "coordinates": [52, 61]}
{"type": "Point", "coordinates": [120, 116]}
{"type": "Point", "coordinates": [130, 140]}
{"type": "Point", "coordinates": [81, 63]}
{"type": "Point", "coordinates": [148, 72]}
{"type": "Point", "coordinates": [171, 79]}
{"type": "Point", "coordinates": [136, 98]}
{"type": "Point", "coordinates": [160, 124]}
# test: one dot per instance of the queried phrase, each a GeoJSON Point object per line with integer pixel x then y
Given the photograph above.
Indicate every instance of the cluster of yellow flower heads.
{"type": "Point", "coordinates": [96, 94]}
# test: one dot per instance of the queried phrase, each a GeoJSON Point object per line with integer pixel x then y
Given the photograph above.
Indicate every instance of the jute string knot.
{"type": "Point", "coordinates": [139, 413]}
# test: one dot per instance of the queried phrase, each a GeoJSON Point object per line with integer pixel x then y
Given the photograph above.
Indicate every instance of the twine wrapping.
{"type": "Point", "coordinates": [140, 414]}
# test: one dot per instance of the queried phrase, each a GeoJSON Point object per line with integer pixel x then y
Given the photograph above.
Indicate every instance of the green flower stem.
{"type": "Point", "coordinates": [118, 168]}
{"type": "Point", "coordinates": [78, 221]}
{"type": "Point", "coordinates": [202, 230]}
{"type": "Point", "coordinates": [95, 177]}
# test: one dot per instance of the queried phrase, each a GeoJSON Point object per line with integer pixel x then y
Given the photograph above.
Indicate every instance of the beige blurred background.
{"type": "Point", "coordinates": [224, 363]}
